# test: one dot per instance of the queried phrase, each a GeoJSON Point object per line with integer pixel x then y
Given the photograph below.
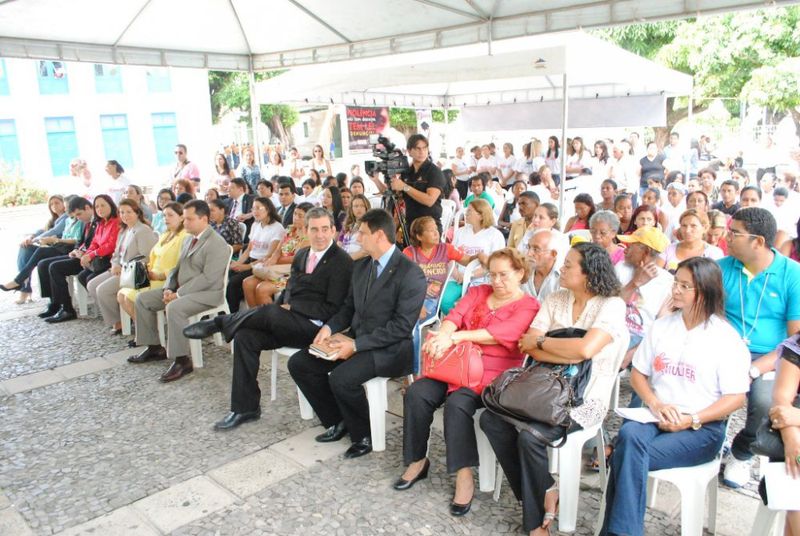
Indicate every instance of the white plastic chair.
{"type": "Point", "coordinates": [79, 294]}
{"type": "Point", "coordinates": [125, 320]}
{"type": "Point", "coordinates": [468, 269]}
{"type": "Point", "coordinates": [487, 461]}
{"type": "Point", "coordinates": [693, 483]}
{"type": "Point", "coordinates": [768, 522]}
{"type": "Point", "coordinates": [243, 229]}
{"type": "Point", "coordinates": [196, 345]}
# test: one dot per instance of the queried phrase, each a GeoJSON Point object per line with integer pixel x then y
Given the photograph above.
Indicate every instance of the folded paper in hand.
{"type": "Point", "coordinates": [324, 350]}
{"type": "Point", "coordinates": [642, 415]}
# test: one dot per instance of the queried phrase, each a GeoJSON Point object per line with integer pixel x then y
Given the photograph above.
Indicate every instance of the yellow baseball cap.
{"type": "Point", "coordinates": [649, 236]}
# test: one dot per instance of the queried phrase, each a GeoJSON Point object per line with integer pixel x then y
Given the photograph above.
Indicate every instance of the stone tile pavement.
{"type": "Point", "coordinates": [99, 446]}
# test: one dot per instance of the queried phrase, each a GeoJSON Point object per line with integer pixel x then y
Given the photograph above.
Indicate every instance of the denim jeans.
{"type": "Point", "coordinates": [642, 448]}
{"type": "Point", "coordinates": [759, 400]}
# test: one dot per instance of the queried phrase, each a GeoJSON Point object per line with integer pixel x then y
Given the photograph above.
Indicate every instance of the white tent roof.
{"type": "Point", "coordinates": [519, 70]}
{"type": "Point", "coordinates": [229, 34]}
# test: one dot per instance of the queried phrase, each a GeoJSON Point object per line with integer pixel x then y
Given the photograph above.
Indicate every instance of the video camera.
{"type": "Point", "coordinates": [391, 160]}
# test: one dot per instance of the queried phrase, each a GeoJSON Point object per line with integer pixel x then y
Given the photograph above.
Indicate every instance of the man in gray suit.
{"type": "Point", "coordinates": [196, 284]}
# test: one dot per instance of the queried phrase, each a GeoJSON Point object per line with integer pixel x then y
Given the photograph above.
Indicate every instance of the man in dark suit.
{"type": "Point", "coordinates": [287, 204]}
{"type": "Point", "coordinates": [240, 204]}
{"type": "Point", "coordinates": [381, 309]}
{"type": "Point", "coordinates": [314, 293]}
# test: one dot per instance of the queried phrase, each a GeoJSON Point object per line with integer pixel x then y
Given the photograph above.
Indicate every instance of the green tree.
{"type": "Point", "coordinates": [230, 91]}
{"type": "Point", "coordinates": [405, 119]}
{"type": "Point", "coordinates": [722, 53]}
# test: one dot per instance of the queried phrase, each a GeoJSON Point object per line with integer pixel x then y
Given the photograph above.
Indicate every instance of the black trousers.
{"type": "Point", "coordinates": [334, 390]}
{"type": "Point", "coordinates": [422, 399]}
{"type": "Point", "coordinates": [270, 327]}
{"type": "Point", "coordinates": [39, 254]}
{"type": "Point", "coordinates": [463, 189]}
{"type": "Point", "coordinates": [524, 461]}
{"type": "Point", "coordinates": [234, 293]}
{"type": "Point", "coordinates": [87, 275]}
{"type": "Point", "coordinates": [58, 271]}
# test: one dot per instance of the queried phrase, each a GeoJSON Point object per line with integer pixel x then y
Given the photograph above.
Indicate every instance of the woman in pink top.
{"type": "Point", "coordinates": [494, 317]}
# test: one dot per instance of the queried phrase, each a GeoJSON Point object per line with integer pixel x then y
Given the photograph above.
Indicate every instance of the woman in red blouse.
{"type": "Point", "coordinates": [494, 317]}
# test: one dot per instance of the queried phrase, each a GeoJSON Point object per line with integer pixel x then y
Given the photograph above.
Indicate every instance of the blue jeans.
{"type": "Point", "coordinates": [759, 400]}
{"type": "Point", "coordinates": [642, 448]}
{"type": "Point", "coordinates": [23, 256]}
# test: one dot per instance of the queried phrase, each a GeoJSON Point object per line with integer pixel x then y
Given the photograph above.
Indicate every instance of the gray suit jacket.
{"type": "Point", "coordinates": [201, 270]}
{"type": "Point", "coordinates": [143, 240]}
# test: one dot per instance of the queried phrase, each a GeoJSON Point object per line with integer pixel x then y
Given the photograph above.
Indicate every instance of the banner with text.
{"type": "Point", "coordinates": [362, 122]}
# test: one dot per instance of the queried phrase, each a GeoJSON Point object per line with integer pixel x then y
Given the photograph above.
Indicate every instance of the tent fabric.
{"type": "Point", "coordinates": [274, 34]}
{"type": "Point", "coordinates": [523, 70]}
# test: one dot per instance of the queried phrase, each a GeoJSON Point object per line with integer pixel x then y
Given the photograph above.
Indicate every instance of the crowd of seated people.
{"type": "Point", "coordinates": [655, 264]}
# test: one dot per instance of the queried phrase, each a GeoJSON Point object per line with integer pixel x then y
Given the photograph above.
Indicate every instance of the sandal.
{"type": "Point", "coordinates": [594, 462]}
{"type": "Point", "coordinates": [549, 516]}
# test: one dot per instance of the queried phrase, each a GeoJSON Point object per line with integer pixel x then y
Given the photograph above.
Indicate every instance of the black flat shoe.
{"type": "Point", "coordinates": [62, 315]}
{"type": "Point", "coordinates": [334, 433]}
{"type": "Point", "coordinates": [401, 484]}
{"type": "Point", "coordinates": [459, 510]}
{"type": "Point", "coordinates": [359, 448]}
{"type": "Point", "coordinates": [232, 420]}
{"type": "Point", "coordinates": [201, 330]}
{"type": "Point", "coordinates": [132, 343]}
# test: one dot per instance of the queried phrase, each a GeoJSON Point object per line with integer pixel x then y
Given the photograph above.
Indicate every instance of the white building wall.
{"type": "Point", "coordinates": [188, 99]}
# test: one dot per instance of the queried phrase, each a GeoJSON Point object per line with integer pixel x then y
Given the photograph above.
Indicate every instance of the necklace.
{"type": "Point", "coordinates": [745, 333]}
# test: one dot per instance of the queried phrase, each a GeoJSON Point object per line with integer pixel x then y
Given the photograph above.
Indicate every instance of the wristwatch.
{"type": "Point", "coordinates": [540, 342]}
{"type": "Point", "coordinates": [755, 373]}
{"type": "Point", "coordinates": [406, 188]}
{"type": "Point", "coordinates": [696, 424]}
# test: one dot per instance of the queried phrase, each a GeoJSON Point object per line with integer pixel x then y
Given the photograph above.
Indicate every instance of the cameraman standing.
{"type": "Point", "coordinates": [422, 185]}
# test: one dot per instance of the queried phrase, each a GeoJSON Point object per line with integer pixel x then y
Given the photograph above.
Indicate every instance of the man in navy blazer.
{"type": "Point", "coordinates": [317, 287]}
{"type": "Point", "coordinates": [382, 306]}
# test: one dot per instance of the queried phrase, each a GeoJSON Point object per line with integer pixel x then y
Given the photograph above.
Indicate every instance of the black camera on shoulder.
{"type": "Point", "coordinates": [391, 160]}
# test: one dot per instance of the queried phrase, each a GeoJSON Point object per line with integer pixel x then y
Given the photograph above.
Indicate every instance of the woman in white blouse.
{"type": "Point", "coordinates": [320, 163]}
{"type": "Point", "coordinates": [691, 372]}
{"type": "Point", "coordinates": [506, 165]}
{"type": "Point", "coordinates": [589, 299]}
{"type": "Point", "coordinates": [579, 160]}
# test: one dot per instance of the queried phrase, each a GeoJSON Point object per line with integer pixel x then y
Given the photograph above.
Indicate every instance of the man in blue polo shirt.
{"type": "Point", "coordinates": [762, 302]}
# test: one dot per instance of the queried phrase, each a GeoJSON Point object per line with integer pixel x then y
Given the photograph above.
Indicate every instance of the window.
{"type": "Point", "coordinates": [116, 140]}
{"type": "Point", "coordinates": [158, 80]}
{"type": "Point", "coordinates": [52, 77]}
{"type": "Point", "coordinates": [3, 78]}
{"type": "Point", "coordinates": [165, 136]}
{"type": "Point", "coordinates": [107, 78]}
{"type": "Point", "coordinates": [61, 142]}
{"type": "Point", "coordinates": [9, 147]}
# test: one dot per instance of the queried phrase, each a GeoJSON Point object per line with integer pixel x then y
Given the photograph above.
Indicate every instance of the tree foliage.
{"type": "Point", "coordinates": [723, 53]}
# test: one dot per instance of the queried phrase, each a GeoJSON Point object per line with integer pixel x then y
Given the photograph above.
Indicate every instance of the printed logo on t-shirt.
{"type": "Point", "coordinates": [662, 365]}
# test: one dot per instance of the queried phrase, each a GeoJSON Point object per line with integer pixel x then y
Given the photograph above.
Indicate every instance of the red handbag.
{"type": "Point", "coordinates": [461, 365]}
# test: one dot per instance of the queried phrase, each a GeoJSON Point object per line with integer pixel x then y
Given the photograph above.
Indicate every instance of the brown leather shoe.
{"type": "Point", "coordinates": [180, 368]}
{"type": "Point", "coordinates": [151, 353]}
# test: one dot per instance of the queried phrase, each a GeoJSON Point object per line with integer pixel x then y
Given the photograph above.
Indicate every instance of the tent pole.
{"type": "Point", "coordinates": [446, 125]}
{"type": "Point", "coordinates": [563, 152]}
{"type": "Point", "coordinates": [255, 111]}
{"type": "Point", "coordinates": [690, 119]}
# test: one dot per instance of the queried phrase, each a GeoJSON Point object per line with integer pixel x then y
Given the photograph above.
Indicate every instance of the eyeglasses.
{"type": "Point", "coordinates": [733, 233]}
{"type": "Point", "coordinates": [681, 287]}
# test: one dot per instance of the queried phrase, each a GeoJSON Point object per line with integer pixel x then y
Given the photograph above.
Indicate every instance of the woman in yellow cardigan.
{"type": "Point", "coordinates": [163, 257]}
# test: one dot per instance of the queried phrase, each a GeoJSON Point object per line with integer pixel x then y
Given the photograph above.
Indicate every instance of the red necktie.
{"type": "Point", "coordinates": [193, 244]}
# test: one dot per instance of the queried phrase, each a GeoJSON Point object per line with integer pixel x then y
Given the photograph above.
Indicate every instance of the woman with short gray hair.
{"type": "Point", "coordinates": [604, 225]}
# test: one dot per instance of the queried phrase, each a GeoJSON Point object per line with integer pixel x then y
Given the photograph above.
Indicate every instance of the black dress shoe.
{"type": "Point", "coordinates": [401, 484]}
{"type": "Point", "coordinates": [334, 433]}
{"type": "Point", "coordinates": [201, 330]}
{"type": "Point", "coordinates": [179, 368]}
{"type": "Point", "coordinates": [459, 510]}
{"type": "Point", "coordinates": [359, 448]}
{"type": "Point", "coordinates": [62, 315]}
{"type": "Point", "coordinates": [151, 353]}
{"type": "Point", "coordinates": [232, 420]}
{"type": "Point", "coordinates": [50, 311]}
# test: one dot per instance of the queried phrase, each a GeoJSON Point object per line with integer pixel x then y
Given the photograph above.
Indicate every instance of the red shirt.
{"type": "Point", "coordinates": [507, 324]}
{"type": "Point", "coordinates": [105, 238]}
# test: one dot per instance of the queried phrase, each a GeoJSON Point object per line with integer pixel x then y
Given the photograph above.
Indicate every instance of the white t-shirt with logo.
{"type": "Point", "coordinates": [262, 237]}
{"type": "Point", "coordinates": [485, 241]}
{"type": "Point", "coordinates": [692, 369]}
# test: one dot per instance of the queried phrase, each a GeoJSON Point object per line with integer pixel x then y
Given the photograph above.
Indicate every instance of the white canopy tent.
{"type": "Point", "coordinates": [526, 83]}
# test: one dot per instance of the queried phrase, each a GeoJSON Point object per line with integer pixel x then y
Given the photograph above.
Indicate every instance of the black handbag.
{"type": "Point", "coordinates": [768, 441]}
{"type": "Point", "coordinates": [542, 392]}
{"type": "Point", "coordinates": [100, 264]}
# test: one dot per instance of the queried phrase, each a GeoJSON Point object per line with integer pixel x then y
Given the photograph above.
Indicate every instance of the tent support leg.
{"type": "Point", "coordinates": [563, 151]}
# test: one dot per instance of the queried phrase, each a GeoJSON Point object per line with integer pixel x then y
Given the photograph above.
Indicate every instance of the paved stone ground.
{"type": "Point", "coordinates": [113, 452]}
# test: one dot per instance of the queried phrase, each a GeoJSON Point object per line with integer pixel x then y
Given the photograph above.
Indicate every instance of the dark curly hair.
{"type": "Point", "coordinates": [601, 279]}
